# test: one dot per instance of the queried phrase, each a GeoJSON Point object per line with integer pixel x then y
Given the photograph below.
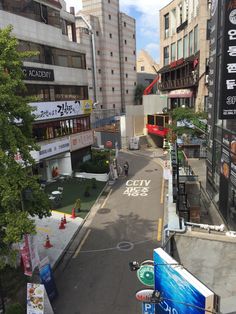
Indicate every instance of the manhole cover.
{"type": "Point", "coordinates": [149, 170]}
{"type": "Point", "coordinates": [104, 210]}
{"type": "Point", "coordinates": [125, 246]}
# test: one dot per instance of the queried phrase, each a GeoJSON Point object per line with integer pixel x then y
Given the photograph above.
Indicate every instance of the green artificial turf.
{"type": "Point", "coordinates": [73, 189]}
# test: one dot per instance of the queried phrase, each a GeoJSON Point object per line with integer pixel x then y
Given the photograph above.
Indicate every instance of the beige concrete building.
{"type": "Point", "coordinates": [112, 33]}
{"type": "Point", "coordinates": [146, 64]}
{"type": "Point", "coordinates": [184, 53]}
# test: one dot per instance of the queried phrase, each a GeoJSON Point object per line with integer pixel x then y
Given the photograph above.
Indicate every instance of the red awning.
{"type": "Point", "coordinates": [180, 93]}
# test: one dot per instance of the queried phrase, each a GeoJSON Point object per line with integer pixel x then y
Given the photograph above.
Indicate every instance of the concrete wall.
{"type": "Point", "coordinates": [211, 258]}
{"type": "Point", "coordinates": [154, 104]}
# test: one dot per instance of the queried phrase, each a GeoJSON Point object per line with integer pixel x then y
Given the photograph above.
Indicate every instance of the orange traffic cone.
{"type": "Point", "coordinates": [48, 244]}
{"type": "Point", "coordinates": [73, 216]}
{"type": "Point", "coordinates": [62, 225]}
{"type": "Point", "coordinates": [64, 219]}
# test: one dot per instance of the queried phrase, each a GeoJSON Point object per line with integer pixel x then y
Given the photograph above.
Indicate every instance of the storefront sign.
{"type": "Point", "coordinates": [47, 278]}
{"type": "Point", "coordinates": [38, 74]}
{"type": "Point", "coordinates": [182, 293]}
{"type": "Point", "coordinates": [146, 275]}
{"type": "Point", "coordinates": [54, 148]}
{"type": "Point", "coordinates": [60, 109]}
{"type": "Point", "coordinates": [180, 93]}
{"type": "Point", "coordinates": [80, 140]}
{"type": "Point", "coordinates": [227, 108]}
{"type": "Point", "coordinates": [29, 254]}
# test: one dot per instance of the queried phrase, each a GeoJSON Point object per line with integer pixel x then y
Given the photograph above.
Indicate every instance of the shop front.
{"type": "Point", "coordinates": [181, 98]}
{"type": "Point", "coordinates": [80, 148]}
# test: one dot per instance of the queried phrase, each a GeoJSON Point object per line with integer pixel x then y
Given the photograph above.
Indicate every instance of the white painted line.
{"type": "Point", "coordinates": [82, 243]}
{"type": "Point", "coordinates": [106, 198]}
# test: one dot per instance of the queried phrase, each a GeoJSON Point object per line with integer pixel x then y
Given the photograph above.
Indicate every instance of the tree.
{"type": "Point", "coordinates": [20, 196]}
{"type": "Point", "coordinates": [138, 94]}
{"type": "Point", "coordinates": [189, 118]}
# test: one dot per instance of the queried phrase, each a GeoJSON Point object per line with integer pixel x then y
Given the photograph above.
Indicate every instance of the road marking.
{"type": "Point", "coordinates": [106, 198]}
{"type": "Point", "coordinates": [82, 243]}
{"type": "Point", "coordinates": [159, 229]}
{"type": "Point", "coordinates": [43, 229]}
{"type": "Point", "coordinates": [162, 191]}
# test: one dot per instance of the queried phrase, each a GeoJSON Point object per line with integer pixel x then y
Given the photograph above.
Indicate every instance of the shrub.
{"type": "Point", "coordinates": [15, 308]}
{"type": "Point", "coordinates": [87, 191]}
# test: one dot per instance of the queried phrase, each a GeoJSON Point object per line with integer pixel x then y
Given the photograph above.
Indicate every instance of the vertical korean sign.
{"type": "Point", "coordinates": [228, 66]}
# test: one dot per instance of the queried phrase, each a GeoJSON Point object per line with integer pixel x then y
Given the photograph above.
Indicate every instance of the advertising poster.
{"type": "Point", "coordinates": [233, 160]}
{"type": "Point", "coordinates": [46, 277]}
{"type": "Point", "coordinates": [228, 64]}
{"type": "Point", "coordinates": [29, 254]}
{"type": "Point", "coordinates": [182, 293]}
{"type": "Point", "coordinates": [35, 298]}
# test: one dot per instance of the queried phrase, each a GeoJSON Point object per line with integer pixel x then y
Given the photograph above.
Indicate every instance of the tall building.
{"type": "Point", "coordinates": [184, 53]}
{"type": "Point", "coordinates": [221, 157]}
{"type": "Point", "coordinates": [57, 76]}
{"type": "Point", "coordinates": [112, 68]}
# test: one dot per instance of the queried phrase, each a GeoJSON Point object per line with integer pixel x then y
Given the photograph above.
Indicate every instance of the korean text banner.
{"type": "Point", "coordinates": [182, 293]}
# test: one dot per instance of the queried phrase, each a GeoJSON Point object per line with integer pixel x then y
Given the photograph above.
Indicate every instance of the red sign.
{"type": "Point", "coordinates": [158, 130]}
{"type": "Point", "coordinates": [109, 144]}
{"type": "Point", "coordinates": [144, 295]}
{"type": "Point", "coordinates": [177, 62]}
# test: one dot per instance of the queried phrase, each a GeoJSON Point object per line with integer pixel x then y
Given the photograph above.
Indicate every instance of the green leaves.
{"type": "Point", "coordinates": [16, 175]}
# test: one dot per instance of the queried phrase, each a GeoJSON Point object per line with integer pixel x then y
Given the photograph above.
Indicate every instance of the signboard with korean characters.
{"type": "Point", "coordinates": [60, 109]}
{"type": "Point", "coordinates": [227, 108]}
{"type": "Point", "coordinates": [80, 140]}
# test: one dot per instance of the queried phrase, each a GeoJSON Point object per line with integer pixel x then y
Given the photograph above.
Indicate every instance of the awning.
{"type": "Point", "coordinates": [180, 93]}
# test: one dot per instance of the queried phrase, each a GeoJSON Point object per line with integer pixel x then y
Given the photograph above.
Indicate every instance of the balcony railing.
{"type": "Point", "coordinates": [188, 81]}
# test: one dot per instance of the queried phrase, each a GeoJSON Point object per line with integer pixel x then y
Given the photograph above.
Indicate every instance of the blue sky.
{"type": "Point", "coordinates": [146, 13]}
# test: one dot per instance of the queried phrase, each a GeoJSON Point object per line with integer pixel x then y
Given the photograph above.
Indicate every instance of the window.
{"type": "Point", "coordinates": [179, 49]}
{"type": "Point", "coordinates": [98, 52]}
{"type": "Point", "coordinates": [180, 13]}
{"type": "Point", "coordinates": [134, 52]}
{"type": "Point", "coordinates": [111, 54]}
{"type": "Point", "coordinates": [134, 68]}
{"type": "Point", "coordinates": [208, 32]}
{"type": "Point", "coordinates": [125, 41]}
{"type": "Point", "coordinates": [97, 33]}
{"type": "Point", "coordinates": [127, 91]}
{"type": "Point", "coordinates": [173, 52]}
{"type": "Point", "coordinates": [113, 89]}
{"type": "Point", "coordinates": [112, 71]}
{"type": "Point", "coordinates": [166, 25]}
{"type": "Point", "coordinates": [166, 55]}
{"type": "Point", "coordinates": [195, 38]}
{"type": "Point", "coordinates": [114, 105]}
{"type": "Point", "coordinates": [109, 1]}
{"type": "Point", "coordinates": [109, 16]}
{"type": "Point", "coordinates": [186, 46]}
{"type": "Point", "coordinates": [99, 71]}
{"type": "Point", "coordinates": [142, 68]}
{"type": "Point", "coordinates": [100, 89]}
{"type": "Point", "coordinates": [126, 75]}
{"type": "Point", "coordinates": [126, 59]}
{"type": "Point", "coordinates": [135, 83]}
{"type": "Point", "coordinates": [124, 24]}
{"type": "Point", "coordinates": [173, 21]}
{"type": "Point", "coordinates": [110, 35]}
{"type": "Point", "coordinates": [190, 43]}
{"type": "Point", "coordinates": [133, 36]}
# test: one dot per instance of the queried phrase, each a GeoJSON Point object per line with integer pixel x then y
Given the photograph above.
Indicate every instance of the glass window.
{"type": "Point", "coordinates": [208, 33]}
{"type": "Point", "coordinates": [190, 43]}
{"type": "Point", "coordinates": [166, 55]}
{"type": "Point", "coordinates": [166, 25]}
{"type": "Point", "coordinates": [179, 49]}
{"type": "Point", "coordinates": [142, 68]}
{"type": "Point", "coordinates": [173, 21]}
{"type": "Point", "coordinates": [62, 61]}
{"type": "Point", "coordinates": [196, 39]}
{"type": "Point", "coordinates": [173, 52]}
{"type": "Point", "coordinates": [186, 46]}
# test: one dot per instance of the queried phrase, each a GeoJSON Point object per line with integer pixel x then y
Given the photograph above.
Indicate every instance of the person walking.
{"type": "Point", "coordinates": [126, 168]}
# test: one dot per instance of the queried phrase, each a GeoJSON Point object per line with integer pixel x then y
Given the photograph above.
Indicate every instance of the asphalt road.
{"type": "Point", "coordinates": [97, 279]}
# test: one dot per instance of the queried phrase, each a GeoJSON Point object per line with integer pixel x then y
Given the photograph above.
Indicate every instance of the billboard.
{"type": "Point", "coordinates": [182, 293]}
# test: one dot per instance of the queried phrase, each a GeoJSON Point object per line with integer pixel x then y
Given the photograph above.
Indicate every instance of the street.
{"type": "Point", "coordinates": [97, 278]}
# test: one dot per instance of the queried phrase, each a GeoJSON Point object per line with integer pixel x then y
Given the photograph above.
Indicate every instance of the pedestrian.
{"type": "Point", "coordinates": [126, 168]}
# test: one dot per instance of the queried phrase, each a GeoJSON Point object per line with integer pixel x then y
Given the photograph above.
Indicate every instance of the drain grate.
{"type": "Point", "coordinates": [125, 246]}
{"type": "Point", "coordinates": [104, 210]}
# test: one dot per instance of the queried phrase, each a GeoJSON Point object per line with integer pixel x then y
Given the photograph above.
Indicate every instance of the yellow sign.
{"type": "Point", "coordinates": [87, 105]}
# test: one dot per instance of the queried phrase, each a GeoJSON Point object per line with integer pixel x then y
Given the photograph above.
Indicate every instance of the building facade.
{"type": "Point", "coordinates": [221, 157]}
{"type": "Point", "coordinates": [57, 76]}
{"type": "Point", "coordinates": [113, 82]}
{"type": "Point", "coordinates": [184, 53]}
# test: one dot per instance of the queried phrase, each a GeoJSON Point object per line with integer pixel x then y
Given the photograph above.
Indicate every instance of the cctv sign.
{"type": "Point", "coordinates": [148, 308]}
